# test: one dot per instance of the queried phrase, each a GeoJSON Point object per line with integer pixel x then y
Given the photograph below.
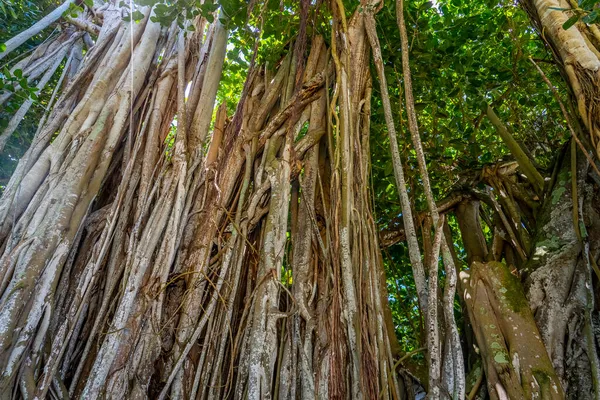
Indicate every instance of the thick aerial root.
{"type": "Point", "coordinates": [135, 266]}
{"type": "Point", "coordinates": [515, 360]}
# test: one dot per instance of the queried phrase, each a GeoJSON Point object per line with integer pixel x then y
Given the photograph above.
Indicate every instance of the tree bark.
{"type": "Point", "coordinates": [558, 278]}
{"type": "Point", "coordinates": [134, 265]}
{"type": "Point", "coordinates": [42, 24]}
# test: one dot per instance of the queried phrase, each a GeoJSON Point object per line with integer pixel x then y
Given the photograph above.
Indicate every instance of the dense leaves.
{"type": "Point", "coordinates": [464, 55]}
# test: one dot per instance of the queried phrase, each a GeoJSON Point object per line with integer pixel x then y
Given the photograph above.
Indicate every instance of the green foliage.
{"type": "Point", "coordinates": [463, 54]}
{"type": "Point", "coordinates": [166, 12]}
{"type": "Point", "coordinates": [587, 11]}
{"type": "Point", "coordinates": [73, 11]}
{"type": "Point", "coordinates": [17, 83]}
{"type": "Point", "coordinates": [16, 12]}
{"type": "Point", "coordinates": [15, 17]}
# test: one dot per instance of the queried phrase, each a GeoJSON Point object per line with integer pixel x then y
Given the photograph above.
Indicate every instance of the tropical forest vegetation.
{"type": "Point", "coordinates": [300, 199]}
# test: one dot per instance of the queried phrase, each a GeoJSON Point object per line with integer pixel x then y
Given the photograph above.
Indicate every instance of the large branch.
{"type": "Point", "coordinates": [524, 162]}
{"type": "Point", "coordinates": [87, 26]}
{"type": "Point", "coordinates": [390, 236]}
{"type": "Point", "coordinates": [39, 26]}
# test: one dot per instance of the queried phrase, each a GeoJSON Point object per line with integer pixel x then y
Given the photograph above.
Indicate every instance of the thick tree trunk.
{"type": "Point", "coordinates": [559, 283]}
{"type": "Point", "coordinates": [135, 266]}
{"type": "Point", "coordinates": [560, 286]}
{"type": "Point", "coordinates": [574, 49]}
{"type": "Point", "coordinates": [515, 361]}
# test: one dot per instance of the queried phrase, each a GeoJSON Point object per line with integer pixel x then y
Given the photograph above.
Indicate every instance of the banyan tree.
{"type": "Point", "coordinates": [177, 226]}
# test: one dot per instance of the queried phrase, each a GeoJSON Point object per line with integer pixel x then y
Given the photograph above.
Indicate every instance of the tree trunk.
{"type": "Point", "coordinates": [135, 266]}
{"type": "Point", "coordinates": [559, 283]}
{"type": "Point", "coordinates": [575, 51]}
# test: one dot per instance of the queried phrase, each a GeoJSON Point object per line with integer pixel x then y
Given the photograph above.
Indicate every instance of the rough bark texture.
{"type": "Point", "coordinates": [559, 278]}
{"type": "Point", "coordinates": [515, 361]}
{"type": "Point", "coordinates": [133, 265]}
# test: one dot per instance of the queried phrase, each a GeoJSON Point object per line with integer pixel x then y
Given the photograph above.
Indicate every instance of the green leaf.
{"type": "Point", "coordinates": [587, 4]}
{"type": "Point", "coordinates": [73, 10]}
{"type": "Point", "coordinates": [138, 15]}
{"type": "Point", "coordinates": [591, 17]}
{"type": "Point", "coordinates": [89, 3]}
{"type": "Point", "coordinates": [2, 47]}
{"type": "Point", "coordinates": [18, 73]}
{"type": "Point", "coordinates": [454, 92]}
{"type": "Point", "coordinates": [570, 22]}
